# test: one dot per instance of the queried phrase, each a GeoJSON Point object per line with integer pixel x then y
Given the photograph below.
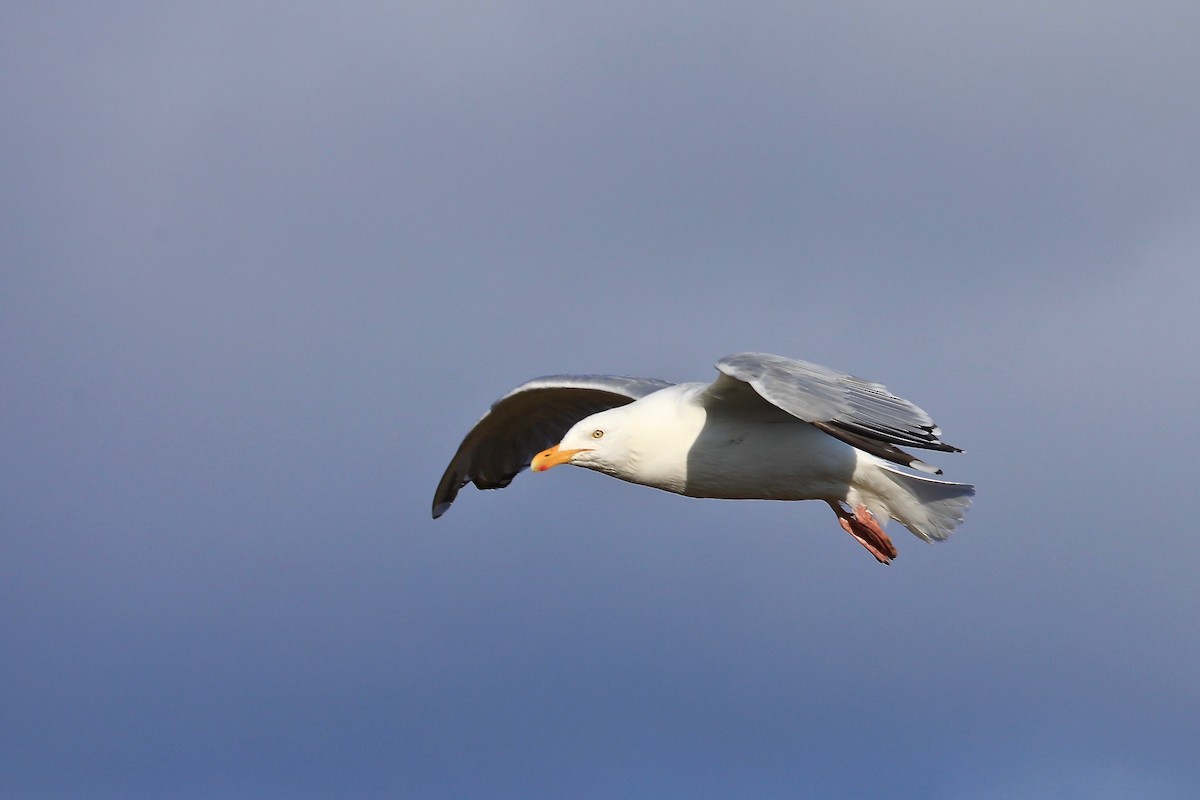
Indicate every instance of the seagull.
{"type": "Point", "coordinates": [768, 428]}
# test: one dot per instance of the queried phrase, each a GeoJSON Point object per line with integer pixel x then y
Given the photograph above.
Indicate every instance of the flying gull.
{"type": "Point", "coordinates": [768, 428]}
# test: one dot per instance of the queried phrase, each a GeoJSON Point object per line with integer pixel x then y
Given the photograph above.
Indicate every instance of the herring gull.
{"type": "Point", "coordinates": [768, 428]}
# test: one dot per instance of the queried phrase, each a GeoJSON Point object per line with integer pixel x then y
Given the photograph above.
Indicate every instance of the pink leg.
{"type": "Point", "coordinates": [862, 526]}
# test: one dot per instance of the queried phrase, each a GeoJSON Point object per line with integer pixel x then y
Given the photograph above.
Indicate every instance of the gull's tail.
{"type": "Point", "coordinates": [930, 508]}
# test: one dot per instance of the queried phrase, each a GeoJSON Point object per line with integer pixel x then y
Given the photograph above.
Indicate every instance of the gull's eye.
{"type": "Point", "coordinates": [597, 434]}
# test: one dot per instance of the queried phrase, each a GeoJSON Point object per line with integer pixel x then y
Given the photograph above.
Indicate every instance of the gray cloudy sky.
{"type": "Point", "coordinates": [262, 265]}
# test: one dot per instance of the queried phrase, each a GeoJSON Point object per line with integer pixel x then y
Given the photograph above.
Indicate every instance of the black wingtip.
{"type": "Point", "coordinates": [917, 463]}
{"type": "Point", "coordinates": [439, 509]}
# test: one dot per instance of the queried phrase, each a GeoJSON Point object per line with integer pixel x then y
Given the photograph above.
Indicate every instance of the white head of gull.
{"type": "Point", "coordinates": [768, 428]}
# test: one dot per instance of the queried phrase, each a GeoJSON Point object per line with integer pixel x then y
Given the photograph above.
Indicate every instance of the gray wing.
{"type": "Point", "coordinates": [527, 420]}
{"type": "Point", "coordinates": [861, 413]}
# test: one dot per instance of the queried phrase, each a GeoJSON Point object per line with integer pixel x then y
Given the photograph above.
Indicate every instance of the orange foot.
{"type": "Point", "coordinates": [862, 526]}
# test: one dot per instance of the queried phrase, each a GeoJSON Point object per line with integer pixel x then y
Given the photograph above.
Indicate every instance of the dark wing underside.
{"type": "Point", "coordinates": [861, 413]}
{"type": "Point", "coordinates": [526, 421]}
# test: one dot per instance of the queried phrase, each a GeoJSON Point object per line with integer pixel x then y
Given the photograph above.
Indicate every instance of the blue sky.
{"type": "Point", "coordinates": [262, 266]}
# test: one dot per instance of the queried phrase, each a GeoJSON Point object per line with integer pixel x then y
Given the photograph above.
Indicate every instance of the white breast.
{"type": "Point", "coordinates": [680, 447]}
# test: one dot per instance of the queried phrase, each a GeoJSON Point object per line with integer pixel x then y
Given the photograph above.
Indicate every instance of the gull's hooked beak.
{"type": "Point", "coordinates": [553, 457]}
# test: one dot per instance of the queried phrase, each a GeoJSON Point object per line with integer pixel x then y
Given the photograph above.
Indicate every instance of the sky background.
{"type": "Point", "coordinates": [262, 265]}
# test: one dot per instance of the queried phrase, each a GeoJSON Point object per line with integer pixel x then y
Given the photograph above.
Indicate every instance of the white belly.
{"type": "Point", "coordinates": [769, 460]}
